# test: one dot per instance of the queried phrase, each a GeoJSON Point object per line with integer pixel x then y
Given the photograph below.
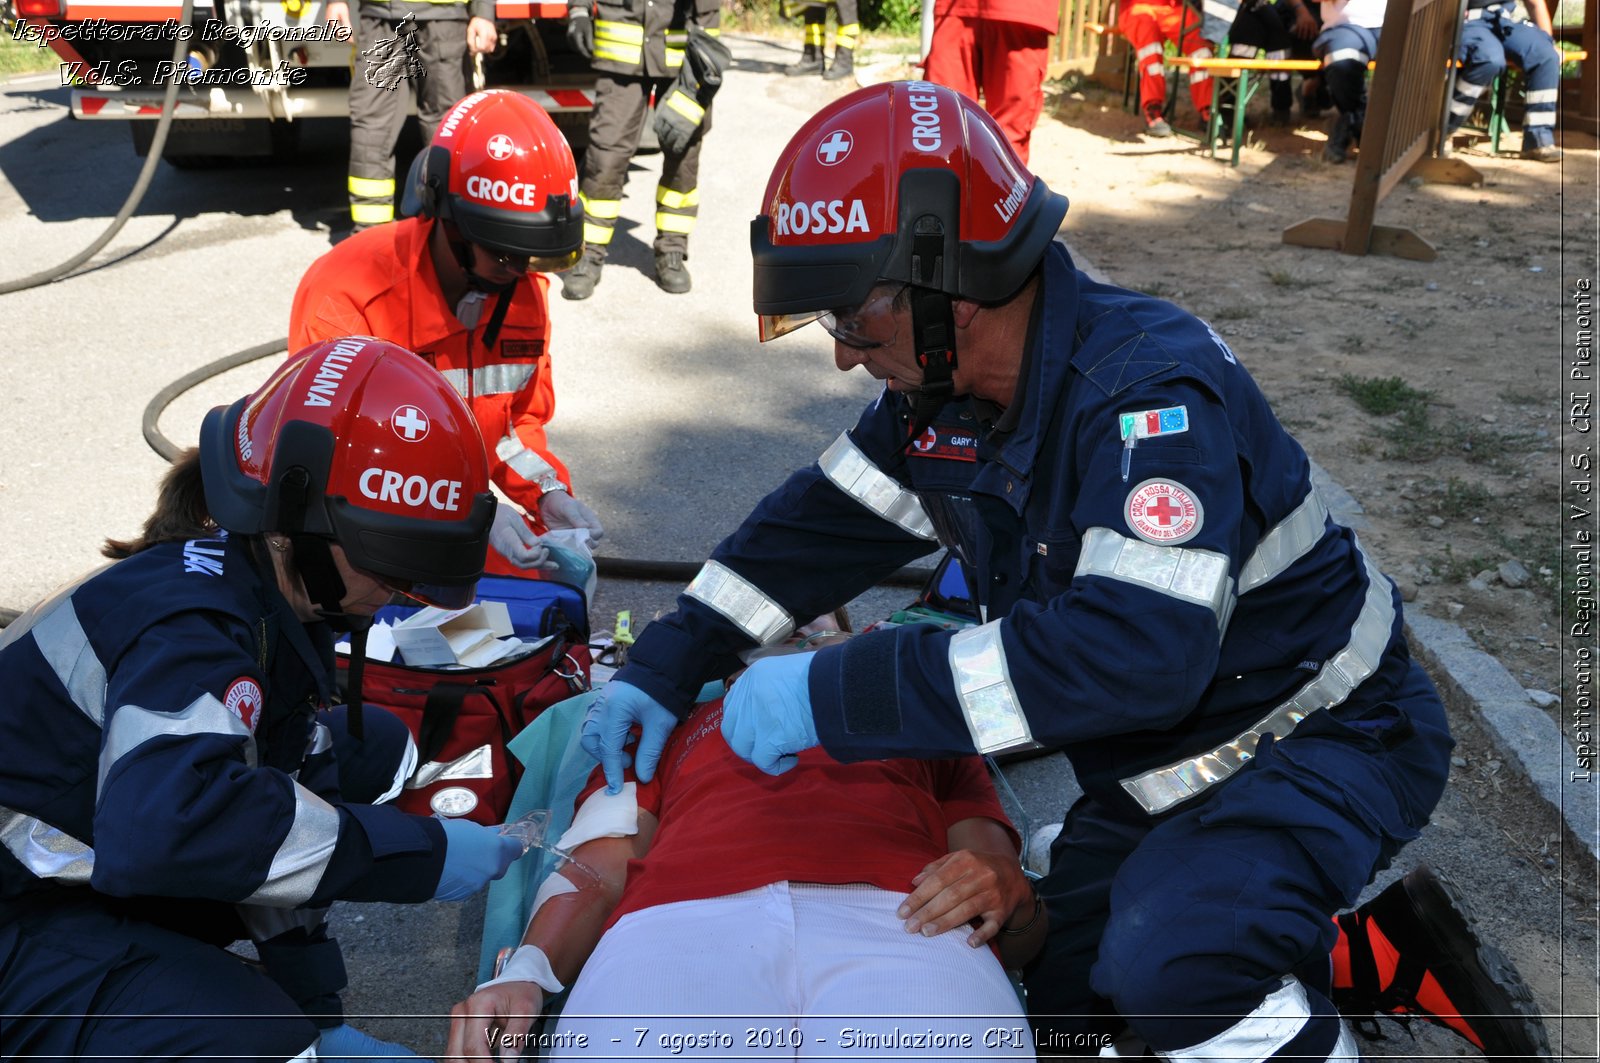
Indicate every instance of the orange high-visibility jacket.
{"type": "Point", "coordinates": [381, 282]}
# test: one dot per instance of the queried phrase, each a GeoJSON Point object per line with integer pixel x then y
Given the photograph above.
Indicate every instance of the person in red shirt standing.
{"type": "Point", "coordinates": [496, 201]}
{"type": "Point", "coordinates": [1000, 48]}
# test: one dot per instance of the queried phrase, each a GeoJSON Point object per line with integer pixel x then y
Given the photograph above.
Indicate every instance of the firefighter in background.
{"type": "Point", "coordinates": [1148, 23]}
{"type": "Point", "coordinates": [1000, 48]}
{"type": "Point", "coordinates": [495, 196]}
{"type": "Point", "coordinates": [172, 779]}
{"type": "Point", "coordinates": [1165, 597]}
{"type": "Point", "coordinates": [814, 55]}
{"type": "Point", "coordinates": [403, 47]}
{"type": "Point", "coordinates": [1496, 29]}
{"type": "Point", "coordinates": [639, 53]}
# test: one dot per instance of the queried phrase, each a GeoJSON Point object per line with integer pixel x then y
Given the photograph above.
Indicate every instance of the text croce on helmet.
{"type": "Point", "coordinates": [359, 442]}
{"type": "Point", "coordinates": [903, 182]}
{"type": "Point", "coordinates": [500, 171]}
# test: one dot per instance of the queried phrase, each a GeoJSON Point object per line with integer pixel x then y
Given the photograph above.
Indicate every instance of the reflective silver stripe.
{"type": "Point", "coordinates": [1161, 788]}
{"type": "Point", "coordinates": [408, 764]}
{"type": "Point", "coordinates": [1463, 107]}
{"type": "Point", "coordinates": [1292, 538]}
{"type": "Point", "coordinates": [300, 861]}
{"type": "Point", "coordinates": [1469, 88]}
{"type": "Point", "coordinates": [853, 473]}
{"type": "Point", "coordinates": [526, 463]}
{"type": "Point", "coordinates": [133, 725]}
{"type": "Point", "coordinates": [983, 685]}
{"type": "Point", "coordinates": [1147, 51]}
{"type": "Point", "coordinates": [65, 647]}
{"type": "Point", "coordinates": [1532, 117]}
{"type": "Point", "coordinates": [1220, 9]}
{"type": "Point", "coordinates": [1343, 55]}
{"type": "Point", "coordinates": [1196, 576]}
{"type": "Point", "coordinates": [740, 601]}
{"type": "Point", "coordinates": [1541, 96]}
{"type": "Point", "coordinates": [1259, 1035]}
{"type": "Point", "coordinates": [505, 378]}
{"type": "Point", "coordinates": [478, 764]}
{"type": "Point", "coordinates": [1197, 77]}
{"type": "Point", "coordinates": [44, 850]}
{"type": "Point", "coordinates": [321, 740]}
{"type": "Point", "coordinates": [1344, 1049]}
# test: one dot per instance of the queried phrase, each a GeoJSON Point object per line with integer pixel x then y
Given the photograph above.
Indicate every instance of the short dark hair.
{"type": "Point", "coordinates": [180, 513]}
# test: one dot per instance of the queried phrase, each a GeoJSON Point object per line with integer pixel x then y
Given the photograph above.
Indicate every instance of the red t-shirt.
{"type": "Point", "coordinates": [726, 826]}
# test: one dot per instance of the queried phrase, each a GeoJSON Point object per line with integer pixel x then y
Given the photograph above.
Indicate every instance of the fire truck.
{"type": "Point", "coordinates": [252, 71]}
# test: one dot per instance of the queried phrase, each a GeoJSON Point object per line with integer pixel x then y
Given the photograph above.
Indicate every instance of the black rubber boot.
{"type": "Point", "coordinates": [810, 63]}
{"type": "Point", "coordinates": [671, 274]}
{"type": "Point", "coordinates": [1338, 147]}
{"type": "Point", "coordinates": [1415, 952]}
{"type": "Point", "coordinates": [844, 65]}
{"type": "Point", "coordinates": [579, 281]}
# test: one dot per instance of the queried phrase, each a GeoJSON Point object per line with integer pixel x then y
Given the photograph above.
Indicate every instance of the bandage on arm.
{"type": "Point", "coordinates": [568, 913]}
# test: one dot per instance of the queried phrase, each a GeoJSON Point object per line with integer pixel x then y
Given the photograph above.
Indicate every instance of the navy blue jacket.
{"type": "Point", "coordinates": [158, 740]}
{"type": "Point", "coordinates": [1145, 604]}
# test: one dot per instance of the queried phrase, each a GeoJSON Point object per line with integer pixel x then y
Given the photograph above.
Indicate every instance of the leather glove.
{"type": "Point", "coordinates": [474, 856]}
{"type": "Point", "coordinates": [515, 541]}
{"type": "Point", "coordinates": [559, 510]}
{"type": "Point", "coordinates": [682, 111]}
{"type": "Point", "coordinates": [606, 728]}
{"type": "Point", "coordinates": [345, 1042]}
{"type": "Point", "coordinates": [766, 716]}
{"type": "Point", "coordinates": [580, 31]}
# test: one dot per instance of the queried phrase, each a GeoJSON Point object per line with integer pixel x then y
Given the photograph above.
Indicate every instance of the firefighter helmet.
{"type": "Point", "coordinates": [502, 173]}
{"type": "Point", "coordinates": [358, 442]}
{"type": "Point", "coordinates": [905, 181]}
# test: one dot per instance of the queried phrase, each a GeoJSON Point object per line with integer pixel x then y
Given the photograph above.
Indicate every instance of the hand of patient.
{"type": "Point", "coordinates": [962, 887]}
{"type": "Point", "coordinates": [494, 1021]}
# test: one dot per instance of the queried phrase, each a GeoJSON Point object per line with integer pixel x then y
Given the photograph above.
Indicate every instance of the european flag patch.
{"type": "Point", "coordinates": [1147, 423]}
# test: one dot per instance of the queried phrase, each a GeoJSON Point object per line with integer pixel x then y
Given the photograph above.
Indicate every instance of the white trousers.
{"type": "Point", "coordinates": [789, 971]}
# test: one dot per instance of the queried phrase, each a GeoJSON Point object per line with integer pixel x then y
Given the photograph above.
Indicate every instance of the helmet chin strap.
{"type": "Point", "coordinates": [461, 248]}
{"type": "Point", "coordinates": [933, 332]}
{"type": "Point", "coordinates": [319, 575]}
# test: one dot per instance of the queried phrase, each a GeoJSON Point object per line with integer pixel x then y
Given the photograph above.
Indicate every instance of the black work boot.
{"type": "Point", "coordinates": [1414, 952]}
{"type": "Point", "coordinates": [810, 62]}
{"type": "Point", "coordinates": [844, 65]}
{"type": "Point", "coordinates": [579, 281]}
{"type": "Point", "coordinates": [1339, 138]}
{"type": "Point", "coordinates": [671, 274]}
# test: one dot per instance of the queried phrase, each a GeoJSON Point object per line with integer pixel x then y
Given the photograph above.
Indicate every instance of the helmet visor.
{"type": "Point", "coordinates": [771, 326]}
{"type": "Point", "coordinates": [451, 596]}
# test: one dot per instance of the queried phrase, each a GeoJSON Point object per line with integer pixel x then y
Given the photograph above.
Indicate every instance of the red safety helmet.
{"type": "Point", "coordinates": [503, 174]}
{"type": "Point", "coordinates": [905, 181]}
{"type": "Point", "coordinates": [358, 442]}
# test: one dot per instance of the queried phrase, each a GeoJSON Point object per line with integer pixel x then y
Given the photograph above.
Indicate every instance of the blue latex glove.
{"type": "Point", "coordinates": [766, 717]}
{"type": "Point", "coordinates": [473, 856]}
{"type": "Point", "coordinates": [345, 1042]}
{"type": "Point", "coordinates": [611, 717]}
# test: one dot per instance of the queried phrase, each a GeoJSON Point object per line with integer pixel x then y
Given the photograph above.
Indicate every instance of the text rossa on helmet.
{"type": "Point", "coordinates": [359, 442]}
{"type": "Point", "coordinates": [905, 181]}
{"type": "Point", "coordinates": [502, 173]}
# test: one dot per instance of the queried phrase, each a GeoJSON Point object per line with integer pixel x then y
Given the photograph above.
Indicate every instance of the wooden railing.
{"type": "Point", "coordinates": [1403, 126]}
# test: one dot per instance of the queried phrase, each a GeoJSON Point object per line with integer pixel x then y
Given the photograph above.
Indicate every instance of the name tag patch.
{"type": "Point", "coordinates": [1148, 423]}
{"type": "Point", "coordinates": [521, 348]}
{"type": "Point", "coordinates": [943, 441]}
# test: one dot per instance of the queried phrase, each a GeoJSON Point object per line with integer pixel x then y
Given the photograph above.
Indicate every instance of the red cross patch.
{"type": "Point", "coordinates": [243, 699]}
{"type": "Point", "coordinates": [1163, 512]}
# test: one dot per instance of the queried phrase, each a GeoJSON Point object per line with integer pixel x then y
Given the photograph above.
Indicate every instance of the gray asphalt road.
{"type": "Point", "coordinates": [673, 419]}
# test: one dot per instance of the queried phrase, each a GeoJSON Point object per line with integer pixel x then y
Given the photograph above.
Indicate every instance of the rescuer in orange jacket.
{"type": "Point", "coordinates": [496, 199]}
{"type": "Point", "coordinates": [1146, 24]}
{"type": "Point", "coordinates": [1000, 48]}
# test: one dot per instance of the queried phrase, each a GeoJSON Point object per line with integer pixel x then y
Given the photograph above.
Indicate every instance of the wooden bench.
{"type": "Point", "coordinates": [1232, 83]}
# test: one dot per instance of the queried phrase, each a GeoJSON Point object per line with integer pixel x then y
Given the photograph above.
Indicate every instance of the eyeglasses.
{"type": "Point", "coordinates": [846, 325]}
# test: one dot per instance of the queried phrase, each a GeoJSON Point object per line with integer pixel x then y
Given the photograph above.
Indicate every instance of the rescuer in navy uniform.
{"type": "Point", "coordinates": [170, 779]}
{"type": "Point", "coordinates": [1162, 595]}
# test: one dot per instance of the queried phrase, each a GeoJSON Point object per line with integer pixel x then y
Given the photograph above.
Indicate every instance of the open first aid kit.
{"type": "Point", "coordinates": [467, 681]}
